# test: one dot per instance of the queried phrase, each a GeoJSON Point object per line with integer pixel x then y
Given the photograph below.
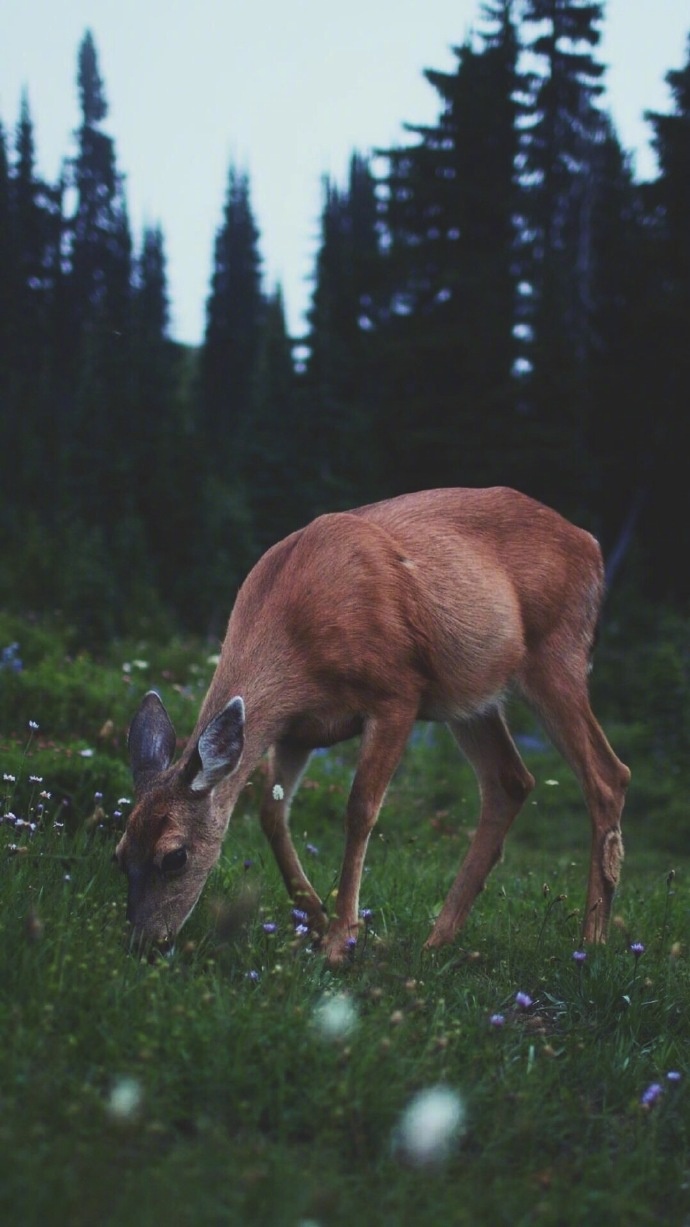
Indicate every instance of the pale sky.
{"type": "Point", "coordinates": [285, 89]}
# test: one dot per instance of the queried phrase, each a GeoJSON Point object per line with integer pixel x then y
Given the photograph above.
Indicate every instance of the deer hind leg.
{"type": "Point", "coordinates": [287, 763]}
{"type": "Point", "coordinates": [504, 783]}
{"type": "Point", "coordinates": [555, 685]}
{"type": "Point", "coordinates": [383, 743]}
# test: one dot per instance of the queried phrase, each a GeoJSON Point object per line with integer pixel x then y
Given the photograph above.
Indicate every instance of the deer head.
{"type": "Point", "coordinates": [175, 832]}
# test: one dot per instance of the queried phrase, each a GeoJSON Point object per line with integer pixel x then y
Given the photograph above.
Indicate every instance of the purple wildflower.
{"type": "Point", "coordinates": [312, 849]}
{"type": "Point", "coordinates": [579, 955]}
{"type": "Point", "coordinates": [248, 864]}
{"type": "Point", "coordinates": [351, 943]}
{"type": "Point", "coordinates": [269, 927]}
{"type": "Point", "coordinates": [366, 913]}
{"type": "Point", "coordinates": [673, 1075]}
{"type": "Point", "coordinates": [497, 1020]}
{"type": "Point", "coordinates": [253, 975]}
{"type": "Point", "coordinates": [523, 1000]}
{"type": "Point", "coordinates": [637, 948]}
{"type": "Point", "coordinates": [654, 1092]}
{"type": "Point", "coordinates": [9, 658]}
{"type": "Point", "coordinates": [301, 930]}
{"type": "Point", "coordinates": [299, 915]}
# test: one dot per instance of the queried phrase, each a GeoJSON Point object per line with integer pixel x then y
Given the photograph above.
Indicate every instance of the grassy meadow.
{"type": "Point", "coordinates": [240, 1081]}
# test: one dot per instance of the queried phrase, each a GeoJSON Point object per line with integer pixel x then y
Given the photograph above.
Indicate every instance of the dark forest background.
{"type": "Point", "coordinates": [496, 301]}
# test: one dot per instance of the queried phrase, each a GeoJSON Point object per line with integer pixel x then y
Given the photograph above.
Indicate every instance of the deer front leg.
{"type": "Point", "coordinates": [383, 744]}
{"type": "Point", "coordinates": [287, 763]}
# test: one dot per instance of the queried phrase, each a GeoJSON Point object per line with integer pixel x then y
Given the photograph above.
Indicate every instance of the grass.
{"type": "Point", "coordinates": [207, 1089]}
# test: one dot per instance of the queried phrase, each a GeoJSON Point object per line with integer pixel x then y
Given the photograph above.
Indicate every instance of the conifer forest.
{"type": "Point", "coordinates": [497, 301]}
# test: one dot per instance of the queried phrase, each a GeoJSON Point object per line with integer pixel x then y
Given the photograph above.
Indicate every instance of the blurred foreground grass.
{"type": "Point", "coordinates": [240, 1081]}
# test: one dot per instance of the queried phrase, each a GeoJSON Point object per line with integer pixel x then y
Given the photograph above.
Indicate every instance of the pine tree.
{"type": "Point", "coordinates": [279, 448]}
{"type": "Point", "coordinates": [7, 281]}
{"type": "Point", "coordinates": [340, 383]}
{"type": "Point", "coordinates": [671, 142]}
{"type": "Point", "coordinates": [28, 237]}
{"type": "Point", "coordinates": [94, 487]}
{"type": "Point", "coordinates": [234, 319]}
{"type": "Point", "coordinates": [563, 129]}
{"type": "Point", "coordinates": [153, 426]}
{"type": "Point", "coordinates": [450, 215]}
{"type": "Point", "coordinates": [668, 210]}
{"type": "Point", "coordinates": [101, 244]}
{"type": "Point", "coordinates": [33, 230]}
{"type": "Point", "coordinates": [152, 306]}
{"type": "Point", "coordinates": [235, 314]}
{"type": "Point", "coordinates": [7, 259]}
{"type": "Point", "coordinates": [165, 452]}
{"type": "Point", "coordinates": [616, 437]}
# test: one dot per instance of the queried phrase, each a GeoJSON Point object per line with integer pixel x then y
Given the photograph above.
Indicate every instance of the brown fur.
{"type": "Point", "coordinates": [427, 606]}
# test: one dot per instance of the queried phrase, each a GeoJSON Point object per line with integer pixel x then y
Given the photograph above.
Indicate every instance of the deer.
{"type": "Point", "coordinates": [433, 606]}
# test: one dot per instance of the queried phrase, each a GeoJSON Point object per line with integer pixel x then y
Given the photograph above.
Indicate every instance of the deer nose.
{"type": "Point", "coordinates": [146, 944]}
{"type": "Point", "coordinates": [137, 879]}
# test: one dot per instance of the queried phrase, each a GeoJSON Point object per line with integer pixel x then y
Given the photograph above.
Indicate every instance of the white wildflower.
{"type": "Point", "coordinates": [335, 1017]}
{"type": "Point", "coordinates": [278, 793]}
{"type": "Point", "coordinates": [125, 1099]}
{"type": "Point", "coordinates": [432, 1122]}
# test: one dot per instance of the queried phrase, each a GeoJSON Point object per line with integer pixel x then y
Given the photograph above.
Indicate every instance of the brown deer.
{"type": "Point", "coordinates": [429, 606]}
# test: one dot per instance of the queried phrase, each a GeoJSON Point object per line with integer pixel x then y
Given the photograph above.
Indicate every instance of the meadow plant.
{"type": "Point", "coordinates": [652, 1094]}
{"type": "Point", "coordinates": [125, 1099]}
{"type": "Point", "coordinates": [240, 1080]}
{"type": "Point", "coordinates": [430, 1126]}
{"type": "Point", "coordinates": [10, 658]}
{"type": "Point", "coordinates": [335, 1017]}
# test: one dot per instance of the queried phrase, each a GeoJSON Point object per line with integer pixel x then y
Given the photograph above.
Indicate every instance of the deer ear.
{"type": "Point", "coordinates": [219, 748]}
{"type": "Point", "coordinates": [151, 741]}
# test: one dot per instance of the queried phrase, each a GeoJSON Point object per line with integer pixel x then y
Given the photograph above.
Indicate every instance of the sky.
{"type": "Point", "coordinates": [283, 89]}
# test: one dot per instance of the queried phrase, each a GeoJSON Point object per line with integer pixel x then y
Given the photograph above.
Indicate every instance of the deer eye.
{"type": "Point", "coordinates": [174, 861]}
